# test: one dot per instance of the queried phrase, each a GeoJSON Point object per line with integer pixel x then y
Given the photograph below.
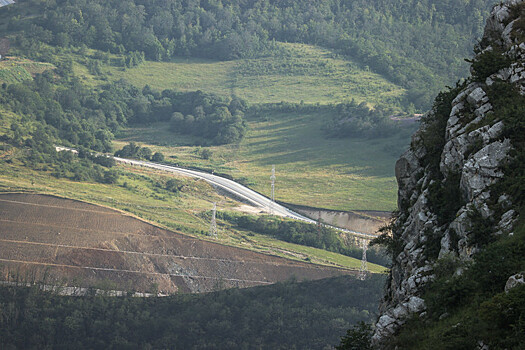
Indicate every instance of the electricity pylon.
{"type": "Point", "coordinates": [363, 271]}
{"type": "Point", "coordinates": [273, 188]}
{"type": "Point", "coordinates": [213, 224]}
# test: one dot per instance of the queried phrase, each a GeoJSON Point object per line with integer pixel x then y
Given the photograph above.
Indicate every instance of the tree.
{"type": "Point", "coordinates": [206, 153]}
{"type": "Point", "coordinates": [173, 185]}
{"type": "Point", "coordinates": [110, 177]}
{"type": "Point", "coordinates": [144, 153]}
{"type": "Point", "coordinates": [357, 338]}
{"type": "Point", "coordinates": [158, 157]}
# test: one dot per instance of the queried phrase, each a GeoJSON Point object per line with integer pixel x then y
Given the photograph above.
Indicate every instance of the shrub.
{"type": "Point", "coordinates": [488, 62]}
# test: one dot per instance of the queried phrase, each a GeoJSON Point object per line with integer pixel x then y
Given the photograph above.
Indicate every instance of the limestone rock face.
{"type": "Point", "coordinates": [514, 281]}
{"type": "Point", "coordinates": [473, 152]}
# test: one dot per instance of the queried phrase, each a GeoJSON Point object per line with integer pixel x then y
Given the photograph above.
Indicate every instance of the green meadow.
{"type": "Point", "coordinates": [343, 174]}
{"type": "Point", "coordinates": [311, 169]}
{"type": "Point", "coordinates": [292, 73]}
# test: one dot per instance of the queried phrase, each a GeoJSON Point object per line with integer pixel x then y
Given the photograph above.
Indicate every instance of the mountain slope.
{"type": "Point", "coordinates": [458, 238]}
{"type": "Point", "coordinates": [54, 239]}
{"type": "Point", "coordinates": [398, 39]}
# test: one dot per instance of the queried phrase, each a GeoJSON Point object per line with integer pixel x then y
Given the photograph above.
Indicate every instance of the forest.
{"type": "Point", "coordinates": [305, 315]}
{"type": "Point", "coordinates": [419, 45]}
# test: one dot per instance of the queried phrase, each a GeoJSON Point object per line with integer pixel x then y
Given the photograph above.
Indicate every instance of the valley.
{"type": "Point", "coordinates": [141, 142]}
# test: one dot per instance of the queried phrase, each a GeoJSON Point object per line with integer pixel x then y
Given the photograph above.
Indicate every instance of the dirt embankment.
{"type": "Point", "coordinates": [49, 239]}
{"type": "Point", "coordinates": [360, 221]}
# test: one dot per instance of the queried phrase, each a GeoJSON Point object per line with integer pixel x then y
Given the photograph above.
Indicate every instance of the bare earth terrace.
{"type": "Point", "coordinates": [54, 240]}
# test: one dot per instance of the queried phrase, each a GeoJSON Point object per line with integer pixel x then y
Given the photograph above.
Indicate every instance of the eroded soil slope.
{"type": "Point", "coordinates": [61, 240]}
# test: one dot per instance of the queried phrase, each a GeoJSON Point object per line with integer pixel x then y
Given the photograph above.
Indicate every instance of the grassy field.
{"type": "Point", "coordinates": [294, 73]}
{"type": "Point", "coordinates": [311, 170]}
{"type": "Point", "coordinates": [343, 174]}
{"type": "Point", "coordinates": [14, 69]}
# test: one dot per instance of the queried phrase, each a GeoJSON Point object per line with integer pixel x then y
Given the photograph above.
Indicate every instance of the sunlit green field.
{"type": "Point", "coordinates": [344, 174]}
{"type": "Point", "coordinates": [295, 73]}
{"type": "Point", "coordinates": [311, 170]}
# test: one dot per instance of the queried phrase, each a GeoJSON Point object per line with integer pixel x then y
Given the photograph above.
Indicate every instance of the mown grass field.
{"type": "Point", "coordinates": [312, 170]}
{"type": "Point", "coordinates": [294, 73]}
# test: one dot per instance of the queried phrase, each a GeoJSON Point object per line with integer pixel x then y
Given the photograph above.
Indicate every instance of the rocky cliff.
{"type": "Point", "coordinates": [453, 195]}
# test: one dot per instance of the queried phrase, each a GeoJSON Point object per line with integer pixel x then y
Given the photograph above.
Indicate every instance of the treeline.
{"type": "Point", "coordinates": [303, 233]}
{"type": "Point", "coordinates": [132, 150]}
{"type": "Point", "coordinates": [218, 120]}
{"type": "Point", "coordinates": [57, 110]}
{"type": "Point", "coordinates": [417, 44]}
{"type": "Point", "coordinates": [63, 109]}
{"type": "Point", "coordinates": [291, 315]}
{"type": "Point", "coordinates": [349, 119]}
{"type": "Point", "coordinates": [358, 120]}
{"type": "Point", "coordinates": [212, 119]}
{"type": "Point", "coordinates": [68, 112]}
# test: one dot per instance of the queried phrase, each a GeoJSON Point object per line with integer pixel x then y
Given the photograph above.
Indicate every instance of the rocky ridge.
{"type": "Point", "coordinates": [444, 191]}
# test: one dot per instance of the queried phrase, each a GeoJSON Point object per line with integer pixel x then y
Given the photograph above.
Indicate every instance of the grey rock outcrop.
{"type": "Point", "coordinates": [473, 152]}
{"type": "Point", "coordinates": [514, 281]}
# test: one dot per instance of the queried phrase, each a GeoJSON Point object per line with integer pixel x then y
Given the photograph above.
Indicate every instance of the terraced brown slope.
{"type": "Point", "coordinates": [53, 239]}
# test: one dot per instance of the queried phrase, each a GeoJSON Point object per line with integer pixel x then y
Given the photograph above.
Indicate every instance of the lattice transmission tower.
{"type": "Point", "coordinates": [363, 270]}
{"type": "Point", "coordinates": [213, 224]}
{"type": "Point", "coordinates": [273, 188]}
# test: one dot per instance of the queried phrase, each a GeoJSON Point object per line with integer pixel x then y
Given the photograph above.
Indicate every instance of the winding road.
{"type": "Point", "coordinates": [238, 190]}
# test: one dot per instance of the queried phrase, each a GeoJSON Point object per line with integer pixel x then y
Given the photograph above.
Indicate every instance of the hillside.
{"type": "Point", "coordinates": [312, 170]}
{"type": "Point", "coordinates": [328, 53]}
{"type": "Point", "coordinates": [51, 240]}
{"type": "Point", "coordinates": [399, 40]}
{"type": "Point", "coordinates": [290, 73]}
{"type": "Point", "coordinates": [458, 238]}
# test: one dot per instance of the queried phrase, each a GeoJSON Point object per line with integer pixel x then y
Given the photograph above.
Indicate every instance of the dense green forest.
{"type": "Point", "coordinates": [417, 44]}
{"type": "Point", "coordinates": [290, 315]}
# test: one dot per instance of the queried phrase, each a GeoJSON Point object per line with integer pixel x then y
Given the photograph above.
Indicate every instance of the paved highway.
{"type": "Point", "coordinates": [238, 190]}
{"type": "Point", "coordinates": [233, 187]}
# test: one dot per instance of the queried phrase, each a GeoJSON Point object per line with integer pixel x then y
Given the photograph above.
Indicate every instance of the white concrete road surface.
{"type": "Point", "coordinates": [231, 186]}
